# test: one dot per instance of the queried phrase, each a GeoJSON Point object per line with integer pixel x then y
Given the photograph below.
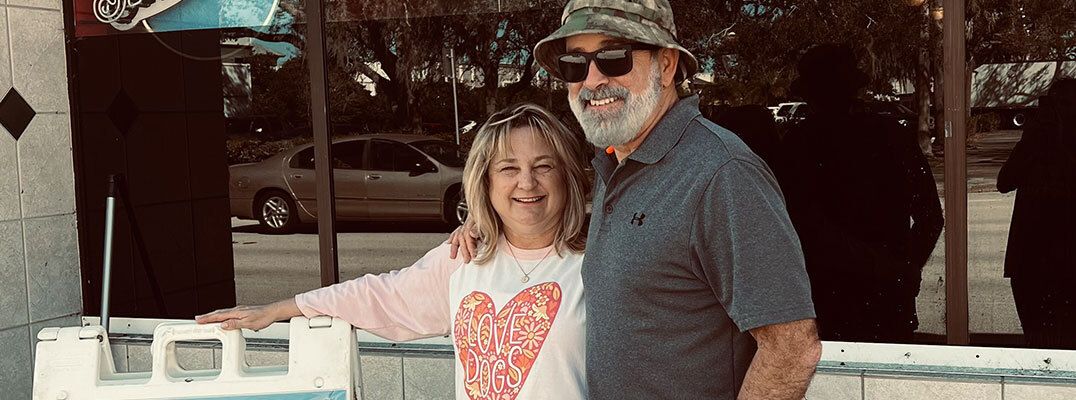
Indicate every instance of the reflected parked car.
{"type": "Point", "coordinates": [377, 177]}
{"type": "Point", "coordinates": [787, 112]}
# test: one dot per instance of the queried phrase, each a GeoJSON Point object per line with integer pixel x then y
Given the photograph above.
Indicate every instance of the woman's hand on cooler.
{"type": "Point", "coordinates": [464, 241]}
{"type": "Point", "coordinates": [251, 317]}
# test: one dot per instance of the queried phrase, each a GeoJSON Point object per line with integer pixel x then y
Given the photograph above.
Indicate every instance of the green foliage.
{"type": "Point", "coordinates": [247, 150]}
{"type": "Point", "coordinates": [387, 59]}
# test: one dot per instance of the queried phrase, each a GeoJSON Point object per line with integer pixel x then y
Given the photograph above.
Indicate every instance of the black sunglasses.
{"type": "Point", "coordinates": [611, 61]}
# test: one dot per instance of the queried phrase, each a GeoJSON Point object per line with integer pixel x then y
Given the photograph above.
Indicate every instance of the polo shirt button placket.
{"type": "Point", "coordinates": [608, 209]}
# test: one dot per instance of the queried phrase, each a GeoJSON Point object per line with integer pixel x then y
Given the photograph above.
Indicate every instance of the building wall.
{"type": "Point", "coordinates": [39, 267]}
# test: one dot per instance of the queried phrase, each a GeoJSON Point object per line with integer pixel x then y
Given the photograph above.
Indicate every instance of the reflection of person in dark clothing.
{"type": "Point", "coordinates": [864, 202]}
{"type": "Point", "coordinates": [754, 125]}
{"type": "Point", "coordinates": [1041, 255]}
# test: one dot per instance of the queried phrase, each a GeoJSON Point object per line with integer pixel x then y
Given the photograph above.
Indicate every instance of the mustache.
{"type": "Point", "coordinates": [602, 92]}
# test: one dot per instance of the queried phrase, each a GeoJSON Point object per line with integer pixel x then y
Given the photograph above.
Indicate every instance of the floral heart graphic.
{"type": "Point", "coordinates": [498, 349]}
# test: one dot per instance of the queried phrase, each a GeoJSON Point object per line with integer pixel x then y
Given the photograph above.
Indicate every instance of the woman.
{"type": "Point", "coordinates": [516, 312]}
{"type": "Point", "coordinates": [1040, 257]}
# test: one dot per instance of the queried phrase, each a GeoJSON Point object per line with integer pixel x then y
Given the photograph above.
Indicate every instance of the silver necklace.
{"type": "Point", "coordinates": [527, 274]}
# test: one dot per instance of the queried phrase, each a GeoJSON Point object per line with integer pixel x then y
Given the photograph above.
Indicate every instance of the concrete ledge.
{"type": "Point", "coordinates": [852, 371]}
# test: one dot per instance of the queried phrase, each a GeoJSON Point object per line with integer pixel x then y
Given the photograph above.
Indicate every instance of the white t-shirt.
{"type": "Point", "coordinates": [513, 339]}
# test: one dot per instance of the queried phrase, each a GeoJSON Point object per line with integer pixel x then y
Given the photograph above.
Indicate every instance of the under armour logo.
{"type": "Point", "coordinates": [637, 219]}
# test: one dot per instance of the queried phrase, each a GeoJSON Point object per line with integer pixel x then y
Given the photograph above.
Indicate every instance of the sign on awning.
{"type": "Point", "coordinates": [104, 17]}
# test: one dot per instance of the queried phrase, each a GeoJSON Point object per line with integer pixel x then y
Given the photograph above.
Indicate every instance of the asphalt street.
{"type": "Point", "coordinates": [271, 267]}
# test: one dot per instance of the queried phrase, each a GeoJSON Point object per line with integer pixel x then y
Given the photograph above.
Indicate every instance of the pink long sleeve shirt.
{"type": "Point", "coordinates": [513, 339]}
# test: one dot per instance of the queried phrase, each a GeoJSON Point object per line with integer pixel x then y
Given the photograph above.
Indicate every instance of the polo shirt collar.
{"type": "Point", "coordinates": [667, 132]}
{"type": "Point", "coordinates": [662, 138]}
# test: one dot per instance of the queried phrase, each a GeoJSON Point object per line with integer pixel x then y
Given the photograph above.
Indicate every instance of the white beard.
{"type": "Point", "coordinates": [615, 128]}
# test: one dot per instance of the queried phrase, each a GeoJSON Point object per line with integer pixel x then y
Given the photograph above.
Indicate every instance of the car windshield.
{"type": "Point", "coordinates": [444, 152]}
{"type": "Point", "coordinates": [802, 111]}
{"type": "Point", "coordinates": [785, 110]}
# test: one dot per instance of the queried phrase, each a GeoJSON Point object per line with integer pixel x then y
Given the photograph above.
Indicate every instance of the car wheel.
{"type": "Point", "coordinates": [461, 211]}
{"type": "Point", "coordinates": [277, 212]}
{"type": "Point", "coordinates": [1018, 120]}
{"type": "Point", "coordinates": [451, 214]}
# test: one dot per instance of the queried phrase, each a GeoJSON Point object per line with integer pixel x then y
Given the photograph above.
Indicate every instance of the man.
{"type": "Point", "coordinates": [690, 246]}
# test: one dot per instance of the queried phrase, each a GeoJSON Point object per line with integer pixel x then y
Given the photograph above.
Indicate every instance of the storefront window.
{"type": "Point", "coordinates": [847, 125]}
{"type": "Point", "coordinates": [1021, 162]}
{"type": "Point", "coordinates": [855, 145]}
{"type": "Point", "coordinates": [200, 107]}
{"type": "Point", "coordinates": [273, 201]}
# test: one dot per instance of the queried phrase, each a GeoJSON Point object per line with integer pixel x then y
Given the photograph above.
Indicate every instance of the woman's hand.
{"type": "Point", "coordinates": [464, 241]}
{"type": "Point", "coordinates": [251, 317]}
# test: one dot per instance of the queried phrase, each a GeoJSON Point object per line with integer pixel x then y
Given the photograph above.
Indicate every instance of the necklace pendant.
{"type": "Point", "coordinates": [525, 279]}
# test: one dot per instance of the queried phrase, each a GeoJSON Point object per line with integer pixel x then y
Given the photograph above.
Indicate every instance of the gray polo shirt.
{"type": "Point", "coordinates": [690, 247]}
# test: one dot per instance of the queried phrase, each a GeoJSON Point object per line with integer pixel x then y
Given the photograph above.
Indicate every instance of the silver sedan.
{"type": "Point", "coordinates": [377, 177]}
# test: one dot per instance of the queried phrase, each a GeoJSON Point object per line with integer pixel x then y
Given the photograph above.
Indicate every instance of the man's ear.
{"type": "Point", "coordinates": [669, 59]}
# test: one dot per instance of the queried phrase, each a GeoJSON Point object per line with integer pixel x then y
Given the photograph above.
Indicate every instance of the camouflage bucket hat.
{"type": "Point", "coordinates": [643, 21]}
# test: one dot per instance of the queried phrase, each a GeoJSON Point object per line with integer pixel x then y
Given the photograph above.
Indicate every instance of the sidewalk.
{"type": "Point", "coordinates": [987, 152]}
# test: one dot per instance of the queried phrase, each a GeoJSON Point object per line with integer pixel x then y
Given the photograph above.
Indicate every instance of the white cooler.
{"type": "Point", "coordinates": [76, 363]}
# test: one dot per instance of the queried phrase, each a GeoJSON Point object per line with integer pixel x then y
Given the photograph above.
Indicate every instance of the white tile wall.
{"type": "Point", "coordinates": [47, 181]}
{"type": "Point", "coordinates": [139, 359]}
{"type": "Point", "coordinates": [885, 388]}
{"type": "Point", "coordinates": [428, 378]}
{"type": "Point", "coordinates": [194, 358]}
{"type": "Point", "coordinates": [39, 59]}
{"type": "Point", "coordinates": [53, 278]}
{"type": "Point", "coordinates": [5, 53]}
{"type": "Point", "coordinates": [119, 357]}
{"type": "Point", "coordinates": [49, 4]}
{"type": "Point", "coordinates": [10, 209]}
{"type": "Point", "coordinates": [266, 358]}
{"type": "Point", "coordinates": [13, 310]}
{"type": "Point", "coordinates": [14, 372]}
{"type": "Point", "coordinates": [1023, 391]}
{"type": "Point", "coordinates": [40, 280]}
{"type": "Point", "coordinates": [835, 387]}
{"type": "Point", "coordinates": [382, 377]}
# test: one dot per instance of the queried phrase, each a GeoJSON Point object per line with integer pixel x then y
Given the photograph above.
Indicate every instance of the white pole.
{"type": "Point", "coordinates": [455, 102]}
{"type": "Point", "coordinates": [106, 273]}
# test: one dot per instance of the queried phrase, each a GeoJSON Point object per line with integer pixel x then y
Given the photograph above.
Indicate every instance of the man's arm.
{"type": "Point", "coordinates": [784, 363]}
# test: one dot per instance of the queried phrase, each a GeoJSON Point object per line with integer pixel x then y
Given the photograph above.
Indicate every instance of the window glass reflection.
{"type": "Point", "coordinates": [1021, 162]}
{"type": "Point", "coordinates": [848, 126]}
{"type": "Point", "coordinates": [863, 199]}
{"type": "Point", "coordinates": [269, 138]}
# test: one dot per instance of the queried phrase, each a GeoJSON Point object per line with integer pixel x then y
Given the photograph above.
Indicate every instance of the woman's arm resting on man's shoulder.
{"type": "Point", "coordinates": [784, 363]}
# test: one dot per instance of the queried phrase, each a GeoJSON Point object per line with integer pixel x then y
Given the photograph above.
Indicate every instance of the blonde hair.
{"type": "Point", "coordinates": [492, 139]}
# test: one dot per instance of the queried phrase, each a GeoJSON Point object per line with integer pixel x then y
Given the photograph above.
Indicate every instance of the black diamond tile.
{"type": "Point", "coordinates": [15, 113]}
{"type": "Point", "coordinates": [122, 112]}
